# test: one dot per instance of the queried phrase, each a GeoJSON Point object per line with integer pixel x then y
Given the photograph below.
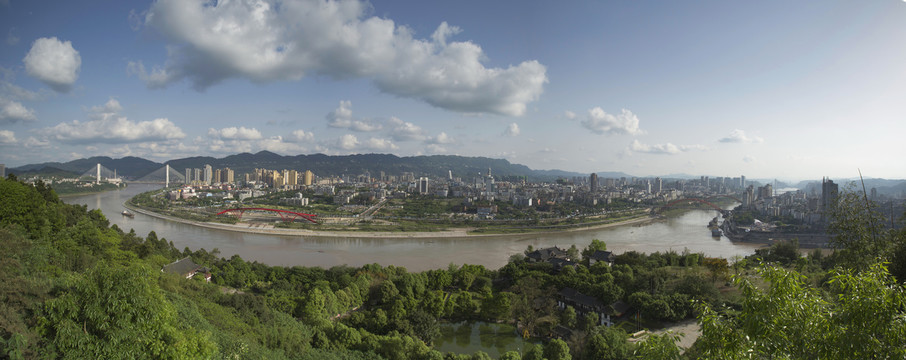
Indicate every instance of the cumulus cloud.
{"type": "Point", "coordinates": [667, 148]}
{"type": "Point", "coordinates": [302, 136]}
{"type": "Point", "coordinates": [436, 149]}
{"type": "Point", "coordinates": [110, 108]}
{"type": "Point", "coordinates": [512, 130]}
{"type": "Point", "coordinates": [739, 136]}
{"type": "Point", "coordinates": [380, 144]}
{"type": "Point", "coordinates": [404, 131]}
{"type": "Point", "coordinates": [268, 40]}
{"type": "Point", "coordinates": [279, 145]}
{"type": "Point", "coordinates": [234, 133]}
{"type": "Point", "coordinates": [441, 138]}
{"type": "Point", "coordinates": [602, 123]}
{"type": "Point", "coordinates": [347, 142]}
{"type": "Point", "coordinates": [569, 114]}
{"type": "Point", "coordinates": [7, 137]}
{"type": "Point", "coordinates": [109, 127]}
{"type": "Point", "coordinates": [13, 111]}
{"type": "Point", "coordinates": [54, 62]}
{"type": "Point", "coordinates": [342, 118]}
{"type": "Point", "coordinates": [33, 142]}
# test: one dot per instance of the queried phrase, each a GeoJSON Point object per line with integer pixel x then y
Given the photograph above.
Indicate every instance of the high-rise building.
{"type": "Point", "coordinates": [197, 176]}
{"type": "Point", "coordinates": [750, 196]}
{"type": "Point", "coordinates": [828, 193]}
{"type": "Point", "coordinates": [423, 185]}
{"type": "Point", "coordinates": [593, 182]}
{"type": "Point", "coordinates": [188, 175]}
{"type": "Point", "coordinates": [229, 176]}
{"type": "Point", "coordinates": [309, 178]}
{"type": "Point", "coordinates": [742, 181]}
{"type": "Point", "coordinates": [658, 185]}
{"type": "Point", "coordinates": [208, 174]}
{"type": "Point", "coordinates": [217, 178]}
{"type": "Point", "coordinates": [292, 177]}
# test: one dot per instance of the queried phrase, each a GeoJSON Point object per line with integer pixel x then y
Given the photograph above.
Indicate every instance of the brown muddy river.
{"type": "Point", "coordinates": [687, 231]}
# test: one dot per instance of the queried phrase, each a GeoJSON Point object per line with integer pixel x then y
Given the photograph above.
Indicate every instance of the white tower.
{"type": "Point", "coordinates": [167, 181]}
{"type": "Point", "coordinates": [97, 180]}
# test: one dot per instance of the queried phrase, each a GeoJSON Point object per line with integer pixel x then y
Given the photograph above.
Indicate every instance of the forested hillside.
{"type": "Point", "coordinates": [71, 286]}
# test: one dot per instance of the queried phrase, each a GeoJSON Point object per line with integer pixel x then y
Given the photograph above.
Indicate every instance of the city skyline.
{"type": "Point", "coordinates": [770, 89]}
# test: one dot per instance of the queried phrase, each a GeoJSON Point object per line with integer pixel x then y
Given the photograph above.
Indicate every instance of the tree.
{"type": "Point", "coordinates": [424, 326]}
{"type": "Point", "coordinates": [568, 317]}
{"type": "Point", "coordinates": [116, 312]}
{"type": "Point", "coordinates": [857, 229]}
{"type": "Point", "coordinates": [659, 347]}
{"type": "Point", "coordinates": [789, 319]}
{"type": "Point", "coordinates": [594, 246]}
{"type": "Point", "coordinates": [557, 349]}
{"type": "Point", "coordinates": [607, 342]}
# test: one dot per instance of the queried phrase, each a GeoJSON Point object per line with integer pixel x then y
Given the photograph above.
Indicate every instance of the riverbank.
{"type": "Point", "coordinates": [453, 233]}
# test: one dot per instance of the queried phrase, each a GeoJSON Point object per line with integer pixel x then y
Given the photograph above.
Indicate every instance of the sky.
{"type": "Point", "coordinates": [766, 89]}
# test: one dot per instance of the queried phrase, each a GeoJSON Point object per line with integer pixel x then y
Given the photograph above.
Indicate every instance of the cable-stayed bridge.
{"type": "Point", "coordinates": [164, 175]}
{"type": "Point", "coordinates": [99, 173]}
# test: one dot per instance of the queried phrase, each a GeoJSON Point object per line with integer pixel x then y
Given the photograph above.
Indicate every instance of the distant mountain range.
{"type": "Point", "coordinates": [320, 164]}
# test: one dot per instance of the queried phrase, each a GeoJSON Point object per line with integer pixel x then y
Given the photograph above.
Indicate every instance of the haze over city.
{"type": "Point", "coordinates": [766, 89]}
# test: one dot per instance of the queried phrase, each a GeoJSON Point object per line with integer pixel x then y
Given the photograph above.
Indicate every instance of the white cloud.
{"type": "Point", "coordinates": [667, 148]}
{"type": "Point", "coordinates": [267, 40]}
{"type": "Point", "coordinates": [278, 145]}
{"type": "Point", "coordinates": [54, 62]}
{"type": "Point", "coordinates": [108, 127]}
{"type": "Point", "coordinates": [234, 133]}
{"type": "Point", "coordinates": [302, 136]}
{"type": "Point", "coordinates": [602, 123]}
{"type": "Point", "coordinates": [512, 130]}
{"type": "Point", "coordinates": [739, 136]}
{"type": "Point", "coordinates": [380, 144]}
{"type": "Point", "coordinates": [404, 131]}
{"type": "Point", "coordinates": [436, 149]}
{"type": "Point", "coordinates": [13, 111]}
{"type": "Point", "coordinates": [342, 118]}
{"type": "Point", "coordinates": [569, 115]}
{"type": "Point", "coordinates": [347, 142]}
{"type": "Point", "coordinates": [32, 142]}
{"type": "Point", "coordinates": [109, 110]}
{"type": "Point", "coordinates": [748, 159]}
{"type": "Point", "coordinates": [441, 138]}
{"type": "Point", "coordinates": [7, 137]}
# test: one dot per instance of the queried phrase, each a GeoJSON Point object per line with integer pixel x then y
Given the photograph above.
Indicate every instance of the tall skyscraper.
{"type": "Point", "coordinates": [208, 174]}
{"type": "Point", "coordinates": [309, 177]}
{"type": "Point", "coordinates": [593, 182]}
{"type": "Point", "coordinates": [189, 176]}
{"type": "Point", "coordinates": [229, 176]}
{"type": "Point", "coordinates": [658, 185]}
{"type": "Point", "coordinates": [828, 193]}
{"type": "Point", "coordinates": [423, 185]}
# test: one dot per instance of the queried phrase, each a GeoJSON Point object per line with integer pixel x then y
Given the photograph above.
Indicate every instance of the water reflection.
{"type": "Point", "coordinates": [469, 337]}
{"type": "Point", "coordinates": [687, 231]}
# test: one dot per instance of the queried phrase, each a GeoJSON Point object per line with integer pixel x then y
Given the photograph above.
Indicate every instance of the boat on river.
{"type": "Point", "coordinates": [127, 213]}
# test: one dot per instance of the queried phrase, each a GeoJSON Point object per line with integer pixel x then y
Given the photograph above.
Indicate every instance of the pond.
{"type": "Point", "coordinates": [470, 337]}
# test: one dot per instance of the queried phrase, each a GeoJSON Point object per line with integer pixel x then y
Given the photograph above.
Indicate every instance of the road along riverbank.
{"type": "Point", "coordinates": [452, 233]}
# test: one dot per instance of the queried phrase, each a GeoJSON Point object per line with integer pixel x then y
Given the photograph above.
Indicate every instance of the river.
{"type": "Point", "coordinates": [687, 231]}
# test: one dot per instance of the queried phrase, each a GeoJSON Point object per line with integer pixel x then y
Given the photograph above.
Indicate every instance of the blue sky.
{"type": "Point", "coordinates": [766, 89]}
